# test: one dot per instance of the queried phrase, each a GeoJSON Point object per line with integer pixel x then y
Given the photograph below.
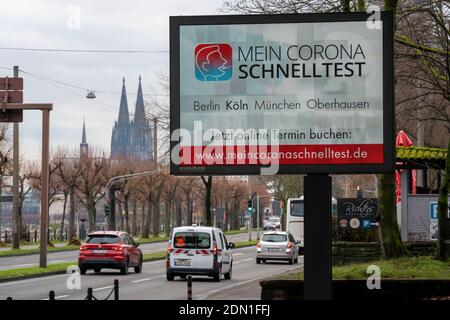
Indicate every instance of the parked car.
{"type": "Point", "coordinates": [277, 245]}
{"type": "Point", "coordinates": [111, 250]}
{"type": "Point", "coordinates": [276, 221]}
{"type": "Point", "coordinates": [268, 226]}
{"type": "Point", "coordinates": [199, 251]}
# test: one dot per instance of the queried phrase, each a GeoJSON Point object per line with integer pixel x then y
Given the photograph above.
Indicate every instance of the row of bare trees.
{"type": "Point", "coordinates": [144, 204]}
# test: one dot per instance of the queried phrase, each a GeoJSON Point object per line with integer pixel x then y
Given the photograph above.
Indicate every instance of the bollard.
{"type": "Point", "coordinates": [51, 295]}
{"type": "Point", "coordinates": [89, 294]}
{"type": "Point", "coordinates": [189, 287]}
{"type": "Point", "coordinates": [116, 290]}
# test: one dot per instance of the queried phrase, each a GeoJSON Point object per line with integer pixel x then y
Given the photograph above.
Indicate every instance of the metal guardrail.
{"type": "Point", "coordinates": [90, 294]}
{"type": "Point", "coordinates": [115, 291]}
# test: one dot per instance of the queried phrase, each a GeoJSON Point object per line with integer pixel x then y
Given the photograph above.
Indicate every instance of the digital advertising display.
{"type": "Point", "coordinates": [307, 93]}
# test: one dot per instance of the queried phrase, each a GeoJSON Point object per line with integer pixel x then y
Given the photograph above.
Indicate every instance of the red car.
{"type": "Point", "coordinates": [111, 250]}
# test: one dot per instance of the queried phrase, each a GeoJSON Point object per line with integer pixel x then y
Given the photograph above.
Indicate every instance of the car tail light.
{"type": "Point", "coordinates": [289, 245]}
{"type": "Point", "coordinates": [169, 249]}
{"type": "Point", "coordinates": [258, 245]}
{"type": "Point", "coordinates": [117, 248]}
{"type": "Point", "coordinates": [215, 248]}
{"type": "Point", "coordinates": [83, 248]}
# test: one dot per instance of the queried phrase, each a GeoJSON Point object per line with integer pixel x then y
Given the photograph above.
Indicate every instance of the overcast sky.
{"type": "Point", "coordinates": [103, 25]}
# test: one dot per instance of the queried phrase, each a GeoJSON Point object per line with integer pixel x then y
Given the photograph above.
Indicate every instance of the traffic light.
{"type": "Point", "coordinates": [107, 209]}
{"type": "Point", "coordinates": [250, 205]}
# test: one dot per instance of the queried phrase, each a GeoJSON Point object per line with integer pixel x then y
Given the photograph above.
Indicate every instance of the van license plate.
{"type": "Point", "coordinates": [273, 249]}
{"type": "Point", "coordinates": [182, 262]}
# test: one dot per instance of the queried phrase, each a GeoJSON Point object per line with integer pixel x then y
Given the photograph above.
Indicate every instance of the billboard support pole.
{"type": "Point", "coordinates": [317, 228]}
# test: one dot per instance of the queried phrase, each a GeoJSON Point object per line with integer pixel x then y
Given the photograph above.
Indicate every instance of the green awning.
{"type": "Point", "coordinates": [420, 158]}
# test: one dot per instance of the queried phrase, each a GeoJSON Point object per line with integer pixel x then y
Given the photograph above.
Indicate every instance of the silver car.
{"type": "Point", "coordinates": [277, 245]}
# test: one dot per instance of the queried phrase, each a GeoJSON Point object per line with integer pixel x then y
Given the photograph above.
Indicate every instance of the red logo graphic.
{"type": "Point", "coordinates": [213, 62]}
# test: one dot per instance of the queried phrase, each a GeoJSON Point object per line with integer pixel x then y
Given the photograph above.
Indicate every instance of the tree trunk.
{"type": "Point", "coordinates": [208, 189]}
{"type": "Point", "coordinates": [362, 5]}
{"type": "Point", "coordinates": [168, 217]}
{"type": "Point", "coordinates": [127, 217]}
{"type": "Point", "coordinates": [156, 218]}
{"type": "Point", "coordinates": [345, 5]}
{"type": "Point", "coordinates": [72, 231]}
{"type": "Point", "coordinates": [443, 210]}
{"type": "Point", "coordinates": [178, 215]}
{"type": "Point", "coordinates": [189, 210]}
{"type": "Point", "coordinates": [134, 219]}
{"type": "Point", "coordinates": [61, 230]}
{"type": "Point", "coordinates": [92, 212]}
{"type": "Point", "coordinates": [235, 222]}
{"type": "Point", "coordinates": [391, 243]}
{"type": "Point", "coordinates": [144, 222]}
{"type": "Point", "coordinates": [121, 219]}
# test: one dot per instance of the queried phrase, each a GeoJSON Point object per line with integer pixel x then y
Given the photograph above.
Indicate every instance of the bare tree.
{"type": "Point", "coordinates": [91, 182]}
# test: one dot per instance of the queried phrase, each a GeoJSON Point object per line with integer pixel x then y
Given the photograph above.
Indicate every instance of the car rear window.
{"type": "Point", "coordinates": [103, 239]}
{"type": "Point", "coordinates": [274, 238]}
{"type": "Point", "coordinates": [200, 240]}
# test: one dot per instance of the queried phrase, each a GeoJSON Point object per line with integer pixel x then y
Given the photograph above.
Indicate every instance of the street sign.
{"type": "Point", "coordinates": [13, 83]}
{"type": "Point", "coordinates": [11, 96]}
{"type": "Point", "coordinates": [357, 213]}
{"type": "Point", "coordinates": [11, 115]}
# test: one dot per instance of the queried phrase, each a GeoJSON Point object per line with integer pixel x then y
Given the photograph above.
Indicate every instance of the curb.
{"type": "Point", "coordinates": [31, 276]}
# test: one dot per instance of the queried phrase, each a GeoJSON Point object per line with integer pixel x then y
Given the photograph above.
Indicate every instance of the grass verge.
{"type": "Point", "coordinates": [23, 252]}
{"type": "Point", "coordinates": [152, 239]}
{"type": "Point", "coordinates": [241, 244]}
{"type": "Point", "coordinates": [34, 271]}
{"type": "Point", "coordinates": [401, 268]}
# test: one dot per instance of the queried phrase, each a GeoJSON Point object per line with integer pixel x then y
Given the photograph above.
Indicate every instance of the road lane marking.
{"type": "Point", "coordinates": [248, 259]}
{"type": "Point", "coordinates": [141, 280]}
{"type": "Point", "coordinates": [58, 297]}
{"type": "Point", "coordinates": [21, 265]}
{"type": "Point", "coordinates": [148, 279]}
{"type": "Point", "coordinates": [103, 288]}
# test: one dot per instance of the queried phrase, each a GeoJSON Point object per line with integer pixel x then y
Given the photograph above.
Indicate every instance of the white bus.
{"type": "Point", "coordinates": [295, 218]}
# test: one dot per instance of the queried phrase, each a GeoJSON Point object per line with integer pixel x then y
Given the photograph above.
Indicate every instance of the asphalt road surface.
{"type": "Point", "coordinates": [151, 284]}
{"type": "Point", "coordinates": [69, 256]}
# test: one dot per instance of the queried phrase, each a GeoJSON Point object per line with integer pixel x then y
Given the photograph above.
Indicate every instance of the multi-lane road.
{"type": "Point", "coordinates": [151, 283]}
{"type": "Point", "coordinates": [69, 256]}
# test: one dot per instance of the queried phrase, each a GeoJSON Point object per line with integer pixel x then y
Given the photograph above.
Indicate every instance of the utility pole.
{"type": "Point", "coordinates": [15, 188]}
{"type": "Point", "coordinates": [257, 216]}
{"type": "Point", "coordinates": [44, 185]}
{"type": "Point", "coordinates": [155, 138]}
{"type": "Point", "coordinates": [112, 208]}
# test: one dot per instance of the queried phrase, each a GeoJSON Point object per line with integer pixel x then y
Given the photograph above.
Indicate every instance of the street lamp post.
{"type": "Point", "coordinates": [116, 179]}
{"type": "Point", "coordinates": [257, 213]}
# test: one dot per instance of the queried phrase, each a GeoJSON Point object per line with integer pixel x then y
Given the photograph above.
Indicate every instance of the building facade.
{"type": "Point", "coordinates": [132, 138]}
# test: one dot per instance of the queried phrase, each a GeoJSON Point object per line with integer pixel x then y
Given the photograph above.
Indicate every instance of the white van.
{"type": "Point", "coordinates": [199, 251]}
